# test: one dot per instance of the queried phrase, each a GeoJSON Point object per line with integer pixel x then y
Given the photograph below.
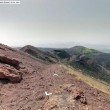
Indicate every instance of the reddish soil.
{"type": "Point", "coordinates": [39, 78]}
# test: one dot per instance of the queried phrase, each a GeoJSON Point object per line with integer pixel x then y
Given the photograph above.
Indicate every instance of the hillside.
{"type": "Point", "coordinates": [36, 53]}
{"type": "Point", "coordinates": [90, 61]}
{"type": "Point", "coordinates": [100, 58]}
{"type": "Point", "coordinates": [81, 50]}
{"type": "Point", "coordinates": [43, 86]}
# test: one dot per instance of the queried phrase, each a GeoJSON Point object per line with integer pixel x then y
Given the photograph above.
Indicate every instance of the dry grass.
{"type": "Point", "coordinates": [102, 86]}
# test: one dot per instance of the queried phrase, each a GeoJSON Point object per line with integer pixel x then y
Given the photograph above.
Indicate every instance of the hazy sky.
{"type": "Point", "coordinates": [55, 21]}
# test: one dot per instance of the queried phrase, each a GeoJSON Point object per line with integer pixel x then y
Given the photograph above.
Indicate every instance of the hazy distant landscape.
{"type": "Point", "coordinates": [102, 48]}
{"type": "Point", "coordinates": [55, 55]}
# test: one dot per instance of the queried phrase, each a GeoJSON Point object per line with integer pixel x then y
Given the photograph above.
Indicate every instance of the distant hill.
{"type": "Point", "coordinates": [92, 62]}
{"type": "Point", "coordinates": [98, 57]}
{"type": "Point", "coordinates": [38, 54]}
{"type": "Point", "coordinates": [81, 50]}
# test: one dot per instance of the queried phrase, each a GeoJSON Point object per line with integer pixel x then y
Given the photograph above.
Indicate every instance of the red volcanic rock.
{"type": "Point", "coordinates": [11, 61]}
{"type": "Point", "coordinates": [10, 73]}
{"type": "Point", "coordinates": [9, 69]}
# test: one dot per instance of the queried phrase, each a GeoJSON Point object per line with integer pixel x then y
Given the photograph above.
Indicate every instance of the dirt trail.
{"type": "Point", "coordinates": [30, 93]}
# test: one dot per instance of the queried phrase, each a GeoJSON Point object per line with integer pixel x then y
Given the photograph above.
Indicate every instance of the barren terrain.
{"type": "Point", "coordinates": [45, 87]}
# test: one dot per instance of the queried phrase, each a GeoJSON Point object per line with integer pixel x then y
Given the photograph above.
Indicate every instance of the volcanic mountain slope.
{"type": "Point", "coordinates": [47, 55]}
{"type": "Point", "coordinates": [38, 54]}
{"type": "Point", "coordinates": [17, 61]}
{"type": "Point", "coordinates": [81, 50]}
{"type": "Point", "coordinates": [90, 61]}
{"type": "Point", "coordinates": [43, 86]}
{"type": "Point", "coordinates": [100, 58]}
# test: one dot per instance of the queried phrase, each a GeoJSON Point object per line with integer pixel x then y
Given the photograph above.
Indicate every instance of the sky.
{"type": "Point", "coordinates": [46, 22]}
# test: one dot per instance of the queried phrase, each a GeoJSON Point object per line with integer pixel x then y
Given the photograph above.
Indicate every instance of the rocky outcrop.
{"type": "Point", "coordinates": [13, 62]}
{"type": "Point", "coordinates": [67, 99]}
{"type": "Point", "coordinates": [77, 94]}
{"type": "Point", "coordinates": [10, 73]}
{"type": "Point", "coordinates": [9, 69]}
